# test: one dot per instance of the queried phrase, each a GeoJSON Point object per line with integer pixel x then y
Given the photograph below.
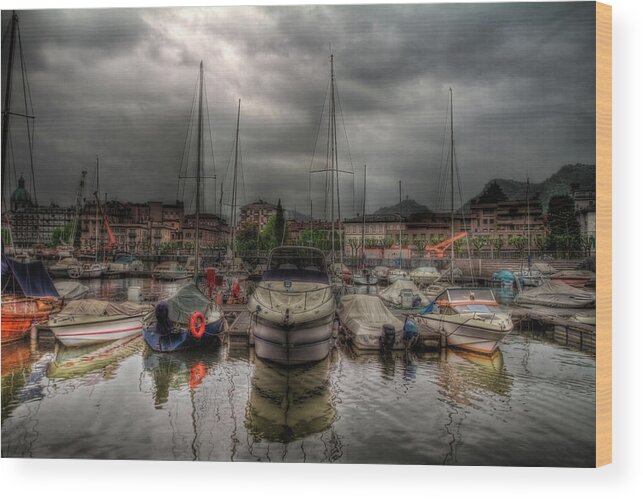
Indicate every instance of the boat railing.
{"type": "Point", "coordinates": [269, 291]}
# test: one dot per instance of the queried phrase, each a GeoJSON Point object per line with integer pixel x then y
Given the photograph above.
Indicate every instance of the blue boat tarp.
{"type": "Point", "coordinates": [26, 279]}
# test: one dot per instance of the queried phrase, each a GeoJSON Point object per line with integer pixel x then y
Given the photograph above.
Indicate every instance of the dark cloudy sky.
{"type": "Point", "coordinates": [120, 84]}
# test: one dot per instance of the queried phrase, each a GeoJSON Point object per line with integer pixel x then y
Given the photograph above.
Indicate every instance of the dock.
{"type": "Point", "coordinates": [559, 324]}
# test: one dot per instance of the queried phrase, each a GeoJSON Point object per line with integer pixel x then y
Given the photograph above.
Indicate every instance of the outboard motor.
{"type": "Point", "coordinates": [163, 322]}
{"type": "Point", "coordinates": [387, 340]}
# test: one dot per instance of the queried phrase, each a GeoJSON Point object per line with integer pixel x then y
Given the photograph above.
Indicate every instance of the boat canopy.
{"type": "Point", "coordinates": [393, 293]}
{"type": "Point", "coordinates": [366, 314]}
{"type": "Point", "coordinates": [185, 302]}
{"type": "Point", "coordinates": [557, 294]}
{"type": "Point", "coordinates": [27, 279]}
{"type": "Point", "coordinates": [71, 290]}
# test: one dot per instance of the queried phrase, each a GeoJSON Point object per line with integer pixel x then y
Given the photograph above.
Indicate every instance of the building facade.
{"type": "Point", "coordinates": [256, 213]}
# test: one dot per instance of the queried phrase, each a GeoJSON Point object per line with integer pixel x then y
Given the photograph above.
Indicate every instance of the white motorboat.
{"type": "Point", "coordinates": [470, 318]}
{"type": "Point", "coordinates": [366, 322]}
{"type": "Point", "coordinates": [170, 271]}
{"type": "Point", "coordinates": [293, 307]}
{"type": "Point", "coordinates": [83, 322]}
{"type": "Point", "coordinates": [124, 264]}
{"type": "Point", "coordinates": [403, 293]}
{"type": "Point", "coordinates": [90, 271]}
{"type": "Point", "coordinates": [381, 272]}
{"type": "Point", "coordinates": [66, 267]}
{"type": "Point", "coordinates": [395, 274]}
{"type": "Point", "coordinates": [424, 276]}
{"type": "Point", "coordinates": [364, 278]}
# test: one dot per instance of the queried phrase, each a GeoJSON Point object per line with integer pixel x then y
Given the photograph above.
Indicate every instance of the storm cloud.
{"type": "Point", "coordinates": [120, 83]}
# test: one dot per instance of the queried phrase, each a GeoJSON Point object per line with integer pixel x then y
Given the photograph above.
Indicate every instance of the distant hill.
{"type": "Point", "coordinates": [579, 175]}
{"type": "Point", "coordinates": [405, 208]}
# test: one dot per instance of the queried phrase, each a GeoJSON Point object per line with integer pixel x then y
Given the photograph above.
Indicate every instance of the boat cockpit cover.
{"type": "Point", "coordinates": [185, 302]}
{"type": "Point", "coordinates": [101, 307]}
{"type": "Point", "coordinates": [393, 293]}
{"type": "Point", "coordinates": [361, 313]}
{"type": "Point", "coordinates": [28, 279]}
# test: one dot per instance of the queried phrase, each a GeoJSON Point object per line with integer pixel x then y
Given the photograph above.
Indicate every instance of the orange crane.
{"type": "Point", "coordinates": [440, 248]}
{"type": "Point", "coordinates": [111, 243]}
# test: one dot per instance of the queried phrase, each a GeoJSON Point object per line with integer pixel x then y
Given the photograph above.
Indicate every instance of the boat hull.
{"type": "Point", "coordinates": [73, 332]}
{"type": "Point", "coordinates": [471, 337]}
{"type": "Point", "coordinates": [181, 339]}
{"type": "Point", "coordinates": [19, 314]}
{"type": "Point", "coordinates": [293, 344]}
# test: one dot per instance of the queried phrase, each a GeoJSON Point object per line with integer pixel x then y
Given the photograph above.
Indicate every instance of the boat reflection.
{"type": "Point", "coordinates": [468, 378]}
{"type": "Point", "coordinates": [288, 404]}
{"type": "Point", "coordinates": [78, 362]}
{"type": "Point", "coordinates": [173, 372]}
{"type": "Point", "coordinates": [16, 368]}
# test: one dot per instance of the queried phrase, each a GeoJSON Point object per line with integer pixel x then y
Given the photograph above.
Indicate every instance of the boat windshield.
{"type": "Point", "coordinates": [297, 258]}
{"type": "Point", "coordinates": [470, 295]}
{"type": "Point", "coordinates": [474, 307]}
{"type": "Point", "coordinates": [123, 259]}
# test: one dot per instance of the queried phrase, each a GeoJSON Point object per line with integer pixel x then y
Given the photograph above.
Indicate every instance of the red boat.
{"type": "Point", "coordinates": [28, 296]}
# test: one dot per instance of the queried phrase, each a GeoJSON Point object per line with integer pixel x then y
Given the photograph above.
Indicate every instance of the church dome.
{"type": "Point", "coordinates": [20, 197]}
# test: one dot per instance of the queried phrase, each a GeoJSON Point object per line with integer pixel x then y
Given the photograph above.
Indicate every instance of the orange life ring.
{"type": "Point", "coordinates": [197, 325]}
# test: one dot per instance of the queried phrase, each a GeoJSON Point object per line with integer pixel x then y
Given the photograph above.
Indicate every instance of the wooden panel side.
{"type": "Point", "coordinates": [603, 234]}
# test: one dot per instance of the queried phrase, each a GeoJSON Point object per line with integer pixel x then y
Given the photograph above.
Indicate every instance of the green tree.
{"type": "Point", "coordinates": [518, 242]}
{"type": "Point", "coordinates": [563, 225]}
{"type": "Point", "coordinates": [248, 238]}
{"type": "Point", "coordinates": [479, 242]}
{"type": "Point", "coordinates": [61, 235]}
{"type": "Point", "coordinates": [6, 236]}
{"type": "Point", "coordinates": [280, 228]}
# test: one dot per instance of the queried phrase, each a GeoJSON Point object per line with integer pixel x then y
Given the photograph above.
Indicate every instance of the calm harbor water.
{"type": "Point", "coordinates": [532, 405]}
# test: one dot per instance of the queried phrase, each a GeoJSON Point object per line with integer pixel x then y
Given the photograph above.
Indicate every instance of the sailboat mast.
{"type": "Point", "coordinates": [97, 219]}
{"type": "Point", "coordinates": [452, 188]}
{"type": "Point", "coordinates": [7, 99]}
{"type": "Point", "coordinates": [363, 256]}
{"type": "Point", "coordinates": [332, 155]}
{"type": "Point", "coordinates": [528, 230]}
{"type": "Point", "coordinates": [233, 207]}
{"type": "Point", "coordinates": [198, 174]}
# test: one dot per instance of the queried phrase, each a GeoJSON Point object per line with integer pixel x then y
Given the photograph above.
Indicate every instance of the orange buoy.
{"type": "Point", "coordinates": [197, 325]}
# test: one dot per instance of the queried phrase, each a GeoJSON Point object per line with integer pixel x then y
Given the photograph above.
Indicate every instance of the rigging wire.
{"type": "Point", "coordinates": [348, 146]}
{"type": "Point", "coordinates": [210, 133]}
{"type": "Point", "coordinates": [185, 155]}
{"type": "Point", "coordinates": [30, 131]}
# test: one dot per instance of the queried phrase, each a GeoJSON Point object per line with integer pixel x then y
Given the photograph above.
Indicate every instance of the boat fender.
{"type": "Point", "coordinates": [197, 325]}
{"type": "Point", "coordinates": [410, 329]}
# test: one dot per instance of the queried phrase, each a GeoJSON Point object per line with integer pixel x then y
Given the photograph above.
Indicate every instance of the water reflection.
{"type": "Point", "coordinates": [288, 404]}
{"type": "Point", "coordinates": [16, 368]}
{"type": "Point", "coordinates": [103, 359]}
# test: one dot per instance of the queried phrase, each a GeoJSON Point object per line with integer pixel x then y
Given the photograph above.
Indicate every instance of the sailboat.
{"type": "Point", "coordinates": [188, 319]}
{"type": "Point", "coordinates": [469, 318]}
{"type": "Point", "coordinates": [364, 277]}
{"type": "Point", "coordinates": [529, 276]}
{"type": "Point", "coordinates": [95, 269]}
{"type": "Point", "coordinates": [28, 293]}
